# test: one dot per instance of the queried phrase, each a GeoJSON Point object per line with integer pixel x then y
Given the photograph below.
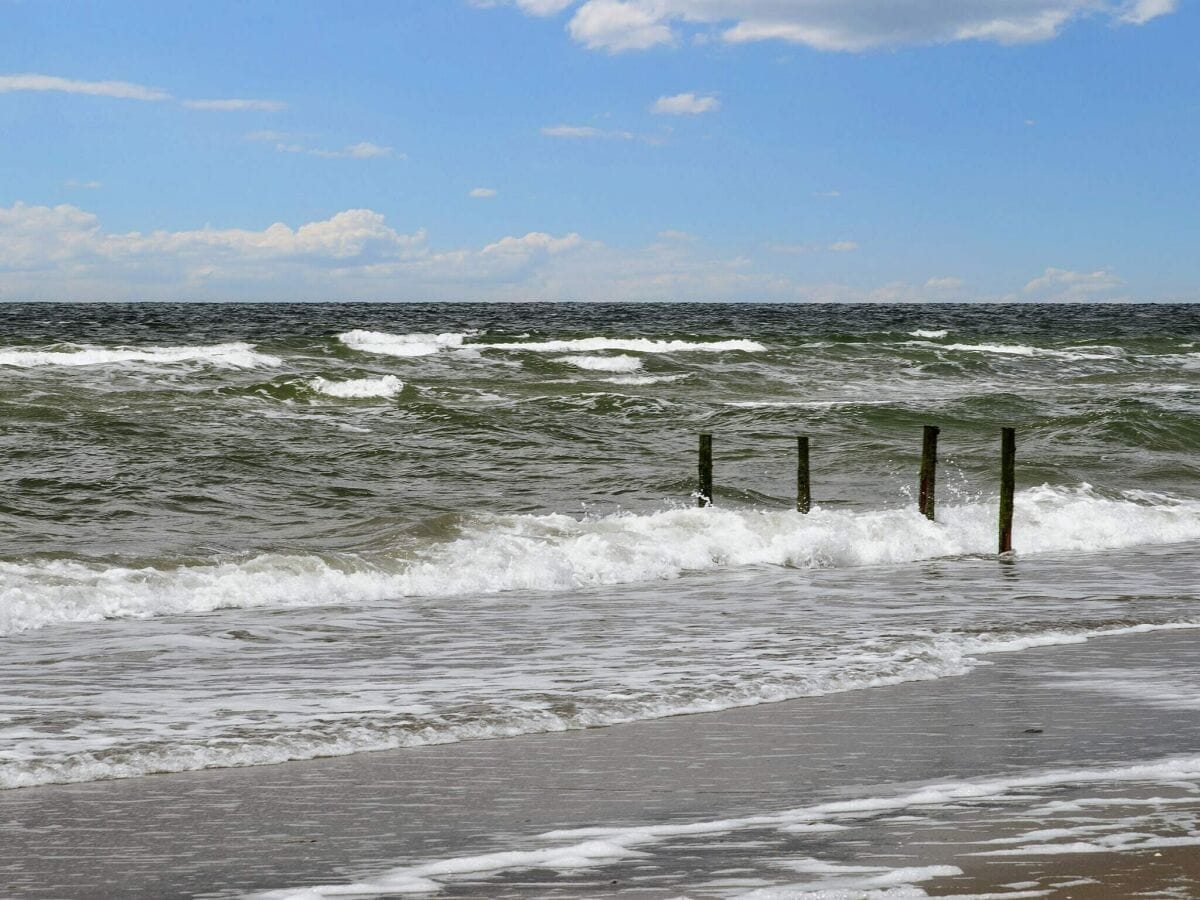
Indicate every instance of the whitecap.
{"type": "Point", "coordinates": [359, 388]}
{"type": "Point", "coordinates": [237, 355]}
{"type": "Point", "coordinates": [602, 363]}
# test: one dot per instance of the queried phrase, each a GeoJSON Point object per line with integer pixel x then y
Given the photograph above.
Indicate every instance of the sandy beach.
{"type": "Point", "coordinates": [334, 821]}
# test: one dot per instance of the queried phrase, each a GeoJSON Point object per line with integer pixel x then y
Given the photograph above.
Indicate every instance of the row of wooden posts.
{"type": "Point", "coordinates": [928, 477]}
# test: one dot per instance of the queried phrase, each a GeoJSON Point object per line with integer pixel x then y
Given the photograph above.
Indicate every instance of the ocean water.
{"type": "Point", "coordinates": [244, 534]}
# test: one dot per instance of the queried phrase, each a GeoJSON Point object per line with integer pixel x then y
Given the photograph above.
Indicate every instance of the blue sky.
{"type": "Point", "coordinates": [898, 150]}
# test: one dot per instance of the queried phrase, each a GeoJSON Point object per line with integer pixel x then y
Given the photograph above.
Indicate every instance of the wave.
{"type": "Point", "coordinates": [603, 363]}
{"type": "Point", "coordinates": [927, 657]}
{"type": "Point", "coordinates": [359, 388]}
{"type": "Point", "coordinates": [931, 334]}
{"type": "Point", "coordinates": [630, 345]}
{"type": "Point", "coordinates": [570, 850]}
{"type": "Point", "coordinates": [644, 380]}
{"type": "Point", "coordinates": [559, 552]}
{"type": "Point", "coordinates": [1025, 350]}
{"type": "Point", "coordinates": [421, 344]}
{"type": "Point", "coordinates": [236, 355]}
{"type": "Point", "coordinates": [405, 345]}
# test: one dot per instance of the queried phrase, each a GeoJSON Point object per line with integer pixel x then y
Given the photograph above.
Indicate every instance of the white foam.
{"type": "Point", "coordinates": [591, 847]}
{"type": "Point", "coordinates": [644, 380]}
{"type": "Point", "coordinates": [359, 388]}
{"type": "Point", "coordinates": [236, 355]}
{"type": "Point", "coordinates": [630, 345]}
{"type": "Point", "coordinates": [1025, 350]}
{"type": "Point", "coordinates": [931, 334]}
{"type": "Point", "coordinates": [558, 552]}
{"type": "Point", "coordinates": [603, 363]}
{"type": "Point", "coordinates": [404, 345]}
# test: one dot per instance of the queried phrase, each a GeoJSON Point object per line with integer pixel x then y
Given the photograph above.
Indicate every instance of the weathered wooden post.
{"type": "Point", "coordinates": [706, 476]}
{"type": "Point", "coordinates": [1008, 483]}
{"type": "Point", "coordinates": [928, 471]}
{"type": "Point", "coordinates": [803, 487]}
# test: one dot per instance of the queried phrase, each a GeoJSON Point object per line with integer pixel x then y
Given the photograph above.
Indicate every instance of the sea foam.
{"type": "Point", "coordinates": [236, 355]}
{"type": "Point", "coordinates": [405, 345]}
{"type": "Point", "coordinates": [422, 344]}
{"type": "Point", "coordinates": [560, 552]}
{"type": "Point", "coordinates": [359, 388]}
{"type": "Point", "coordinates": [594, 847]}
{"type": "Point", "coordinates": [603, 363]}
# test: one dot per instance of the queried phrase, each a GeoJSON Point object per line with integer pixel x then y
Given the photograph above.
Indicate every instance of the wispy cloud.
{"type": "Point", "coordinates": [237, 104]}
{"type": "Point", "coordinates": [800, 249]}
{"type": "Point", "coordinates": [122, 90]}
{"type": "Point", "coordinates": [1066, 284]}
{"type": "Point", "coordinates": [362, 150]}
{"type": "Point", "coordinates": [687, 104]}
{"type": "Point", "coordinates": [828, 195]}
{"type": "Point", "coordinates": [586, 132]}
{"type": "Point", "coordinates": [482, 193]}
{"type": "Point", "coordinates": [83, 185]}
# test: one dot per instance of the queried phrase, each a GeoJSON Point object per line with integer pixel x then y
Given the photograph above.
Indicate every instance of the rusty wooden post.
{"type": "Point", "coordinates": [925, 499]}
{"type": "Point", "coordinates": [803, 486]}
{"type": "Point", "coordinates": [1008, 483]}
{"type": "Point", "coordinates": [705, 491]}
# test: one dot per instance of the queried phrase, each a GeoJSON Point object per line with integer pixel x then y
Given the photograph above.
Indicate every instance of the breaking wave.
{"type": "Point", "coordinates": [236, 355]}
{"type": "Point", "coordinates": [559, 552]}
{"type": "Point", "coordinates": [359, 388]}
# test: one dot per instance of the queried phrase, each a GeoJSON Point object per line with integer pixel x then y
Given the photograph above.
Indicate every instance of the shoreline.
{"type": "Point", "coordinates": [224, 832]}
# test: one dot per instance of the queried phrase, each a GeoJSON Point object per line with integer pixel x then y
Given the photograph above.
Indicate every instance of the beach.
{"type": "Point", "coordinates": [838, 791]}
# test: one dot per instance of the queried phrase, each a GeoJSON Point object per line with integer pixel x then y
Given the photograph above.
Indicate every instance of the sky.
{"type": "Point", "coordinates": [756, 150]}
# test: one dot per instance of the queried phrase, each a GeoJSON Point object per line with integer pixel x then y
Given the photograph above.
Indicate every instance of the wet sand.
{"type": "Point", "coordinates": [225, 832]}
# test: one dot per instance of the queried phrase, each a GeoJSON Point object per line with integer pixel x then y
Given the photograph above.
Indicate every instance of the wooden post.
{"type": "Point", "coordinates": [803, 487]}
{"type": "Point", "coordinates": [1008, 483]}
{"type": "Point", "coordinates": [928, 471]}
{"type": "Point", "coordinates": [706, 472]}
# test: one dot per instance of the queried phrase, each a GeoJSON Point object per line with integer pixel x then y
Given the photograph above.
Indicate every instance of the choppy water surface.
{"type": "Point", "coordinates": [243, 534]}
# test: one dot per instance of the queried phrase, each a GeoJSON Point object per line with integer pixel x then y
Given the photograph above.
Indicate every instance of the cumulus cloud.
{"type": "Point", "coordinates": [687, 104]}
{"type": "Point", "coordinates": [1065, 284]}
{"type": "Point", "coordinates": [237, 105]}
{"type": "Point", "coordinates": [63, 251]}
{"type": "Point", "coordinates": [842, 25]}
{"type": "Point", "coordinates": [122, 90]}
{"type": "Point", "coordinates": [482, 193]}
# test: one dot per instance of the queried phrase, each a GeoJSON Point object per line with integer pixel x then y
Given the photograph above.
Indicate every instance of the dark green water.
{"type": "Point", "coordinates": [419, 523]}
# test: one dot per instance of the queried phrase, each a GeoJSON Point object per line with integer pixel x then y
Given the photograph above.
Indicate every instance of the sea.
{"type": "Point", "coordinates": [236, 535]}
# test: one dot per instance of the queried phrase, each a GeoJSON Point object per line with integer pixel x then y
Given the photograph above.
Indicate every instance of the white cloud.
{"type": "Point", "coordinates": [800, 249]}
{"type": "Point", "coordinates": [944, 283]}
{"type": "Point", "coordinates": [532, 7]}
{"type": "Point", "coordinates": [687, 104]}
{"type": "Point", "coordinates": [64, 252]}
{"type": "Point", "coordinates": [123, 90]}
{"type": "Point", "coordinates": [673, 234]}
{"type": "Point", "coordinates": [83, 185]}
{"type": "Point", "coordinates": [364, 150]}
{"type": "Point", "coordinates": [482, 193]}
{"type": "Point", "coordinates": [1065, 284]}
{"type": "Point", "coordinates": [235, 104]}
{"type": "Point", "coordinates": [585, 132]}
{"type": "Point", "coordinates": [839, 25]}
{"type": "Point", "coordinates": [616, 25]}
{"type": "Point", "coordinates": [828, 195]}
